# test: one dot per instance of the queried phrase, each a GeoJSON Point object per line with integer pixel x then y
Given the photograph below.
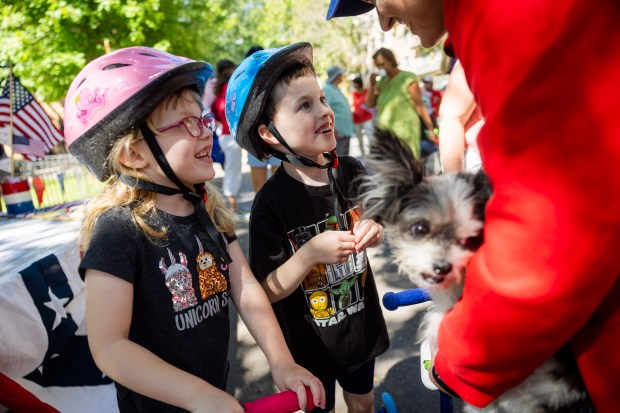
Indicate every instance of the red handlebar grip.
{"type": "Point", "coordinates": [285, 402]}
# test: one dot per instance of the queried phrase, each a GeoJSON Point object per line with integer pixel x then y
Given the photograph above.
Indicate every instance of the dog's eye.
{"type": "Point", "coordinates": [420, 229]}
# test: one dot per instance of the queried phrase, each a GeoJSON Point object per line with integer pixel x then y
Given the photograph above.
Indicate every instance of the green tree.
{"type": "Point", "coordinates": [49, 41]}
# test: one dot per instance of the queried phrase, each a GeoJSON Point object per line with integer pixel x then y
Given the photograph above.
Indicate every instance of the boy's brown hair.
{"type": "Point", "coordinates": [294, 72]}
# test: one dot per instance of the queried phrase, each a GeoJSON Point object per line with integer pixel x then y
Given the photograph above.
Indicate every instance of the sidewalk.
{"type": "Point", "coordinates": [397, 371]}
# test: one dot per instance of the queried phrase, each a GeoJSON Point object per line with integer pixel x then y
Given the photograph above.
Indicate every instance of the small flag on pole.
{"type": "Point", "coordinates": [30, 122]}
{"type": "Point", "coordinates": [30, 148]}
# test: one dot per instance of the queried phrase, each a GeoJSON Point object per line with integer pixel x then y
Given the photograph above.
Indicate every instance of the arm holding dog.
{"type": "Point", "coordinates": [547, 275]}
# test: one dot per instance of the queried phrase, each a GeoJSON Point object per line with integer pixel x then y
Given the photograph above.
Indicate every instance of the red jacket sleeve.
{"type": "Point", "coordinates": [545, 75]}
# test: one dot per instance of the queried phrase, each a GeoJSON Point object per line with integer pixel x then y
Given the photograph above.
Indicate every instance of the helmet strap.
{"type": "Point", "coordinates": [147, 185]}
{"type": "Point", "coordinates": [197, 197]}
{"type": "Point", "coordinates": [332, 163]}
{"type": "Point", "coordinates": [292, 158]}
{"type": "Point", "coordinates": [161, 160]}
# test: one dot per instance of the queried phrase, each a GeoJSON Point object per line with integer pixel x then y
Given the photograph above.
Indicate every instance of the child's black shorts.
{"type": "Point", "coordinates": [360, 381]}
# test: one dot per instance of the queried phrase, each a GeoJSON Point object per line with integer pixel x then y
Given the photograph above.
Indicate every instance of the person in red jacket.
{"type": "Point", "coordinates": [362, 116]}
{"type": "Point", "coordinates": [547, 274]}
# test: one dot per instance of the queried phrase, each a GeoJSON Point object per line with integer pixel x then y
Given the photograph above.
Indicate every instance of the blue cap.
{"type": "Point", "coordinates": [343, 8]}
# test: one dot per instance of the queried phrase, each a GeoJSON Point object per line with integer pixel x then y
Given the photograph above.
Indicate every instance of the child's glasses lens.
{"type": "Point", "coordinates": [209, 121]}
{"type": "Point", "coordinates": [194, 125]}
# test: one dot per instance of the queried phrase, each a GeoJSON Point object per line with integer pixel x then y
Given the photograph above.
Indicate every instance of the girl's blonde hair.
{"type": "Point", "coordinates": [142, 203]}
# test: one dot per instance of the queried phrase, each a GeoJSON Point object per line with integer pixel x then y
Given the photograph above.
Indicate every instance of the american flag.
{"type": "Point", "coordinates": [29, 148]}
{"type": "Point", "coordinates": [30, 122]}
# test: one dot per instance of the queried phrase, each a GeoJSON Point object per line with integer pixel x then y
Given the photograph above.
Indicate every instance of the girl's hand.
{"type": "Point", "coordinates": [367, 234]}
{"type": "Point", "coordinates": [216, 401]}
{"type": "Point", "coordinates": [291, 376]}
{"type": "Point", "coordinates": [331, 247]}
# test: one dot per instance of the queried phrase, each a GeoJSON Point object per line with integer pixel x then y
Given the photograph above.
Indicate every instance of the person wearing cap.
{"type": "Point", "coordinates": [161, 261]}
{"type": "Point", "coordinates": [307, 241]}
{"type": "Point", "coordinates": [340, 105]}
{"type": "Point", "coordinates": [398, 99]}
{"type": "Point", "coordinates": [547, 276]}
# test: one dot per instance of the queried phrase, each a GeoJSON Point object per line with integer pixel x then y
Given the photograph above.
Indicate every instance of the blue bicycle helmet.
{"type": "Point", "coordinates": [249, 88]}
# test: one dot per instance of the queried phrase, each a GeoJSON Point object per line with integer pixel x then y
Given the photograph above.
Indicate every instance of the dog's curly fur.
{"type": "Point", "coordinates": [434, 225]}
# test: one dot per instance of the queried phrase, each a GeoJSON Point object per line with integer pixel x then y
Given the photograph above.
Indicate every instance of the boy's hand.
{"type": "Point", "coordinates": [291, 376]}
{"type": "Point", "coordinates": [367, 234]}
{"type": "Point", "coordinates": [331, 247]}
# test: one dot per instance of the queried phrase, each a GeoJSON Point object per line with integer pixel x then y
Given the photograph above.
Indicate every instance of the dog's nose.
{"type": "Point", "coordinates": [442, 268]}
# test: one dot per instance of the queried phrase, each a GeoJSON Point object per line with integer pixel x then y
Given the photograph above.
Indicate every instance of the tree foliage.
{"type": "Point", "coordinates": [49, 41]}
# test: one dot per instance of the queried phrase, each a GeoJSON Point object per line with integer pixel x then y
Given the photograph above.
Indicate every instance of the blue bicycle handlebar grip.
{"type": "Point", "coordinates": [392, 301]}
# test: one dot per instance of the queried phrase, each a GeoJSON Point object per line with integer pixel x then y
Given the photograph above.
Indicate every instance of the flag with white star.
{"type": "Point", "coordinates": [43, 342]}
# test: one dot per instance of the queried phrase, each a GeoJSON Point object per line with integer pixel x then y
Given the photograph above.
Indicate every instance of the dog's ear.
{"type": "Point", "coordinates": [389, 153]}
{"type": "Point", "coordinates": [482, 192]}
{"type": "Point", "coordinates": [482, 185]}
{"type": "Point", "coordinates": [393, 171]}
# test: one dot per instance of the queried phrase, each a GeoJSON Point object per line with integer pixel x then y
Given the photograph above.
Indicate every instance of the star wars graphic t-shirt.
{"type": "Point", "coordinates": [181, 293]}
{"type": "Point", "coordinates": [333, 322]}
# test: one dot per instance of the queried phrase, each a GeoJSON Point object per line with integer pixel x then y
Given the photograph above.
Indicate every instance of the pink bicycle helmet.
{"type": "Point", "coordinates": [116, 92]}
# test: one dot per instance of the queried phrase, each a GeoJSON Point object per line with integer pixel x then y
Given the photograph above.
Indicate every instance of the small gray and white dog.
{"type": "Point", "coordinates": [434, 225]}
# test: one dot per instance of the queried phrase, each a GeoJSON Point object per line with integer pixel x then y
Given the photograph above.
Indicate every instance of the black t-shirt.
{"type": "Point", "coordinates": [181, 293]}
{"type": "Point", "coordinates": [333, 322]}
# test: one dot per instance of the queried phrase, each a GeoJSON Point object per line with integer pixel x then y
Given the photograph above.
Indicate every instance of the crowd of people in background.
{"type": "Point", "coordinates": [386, 96]}
{"type": "Point", "coordinates": [394, 98]}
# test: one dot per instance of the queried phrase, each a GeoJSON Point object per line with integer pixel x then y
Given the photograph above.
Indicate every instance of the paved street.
{"type": "Point", "coordinates": [396, 372]}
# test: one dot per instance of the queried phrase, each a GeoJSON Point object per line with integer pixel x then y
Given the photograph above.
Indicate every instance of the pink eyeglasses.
{"type": "Point", "coordinates": [193, 124]}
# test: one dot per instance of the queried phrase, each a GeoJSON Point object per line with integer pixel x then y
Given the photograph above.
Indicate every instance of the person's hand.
{"type": "Point", "coordinates": [373, 80]}
{"type": "Point", "coordinates": [291, 376]}
{"type": "Point", "coordinates": [367, 234]}
{"type": "Point", "coordinates": [331, 247]}
{"type": "Point", "coordinates": [432, 136]}
{"type": "Point", "coordinates": [216, 401]}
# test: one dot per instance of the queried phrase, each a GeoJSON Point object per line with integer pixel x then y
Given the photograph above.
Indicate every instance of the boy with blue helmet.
{"type": "Point", "coordinates": [307, 241]}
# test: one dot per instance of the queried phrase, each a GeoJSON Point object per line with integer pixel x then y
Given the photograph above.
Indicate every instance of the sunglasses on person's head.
{"type": "Point", "coordinates": [193, 124]}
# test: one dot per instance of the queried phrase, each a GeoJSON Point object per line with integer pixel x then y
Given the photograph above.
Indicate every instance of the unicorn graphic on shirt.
{"type": "Point", "coordinates": [179, 282]}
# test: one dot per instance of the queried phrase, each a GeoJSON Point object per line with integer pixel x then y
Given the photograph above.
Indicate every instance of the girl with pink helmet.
{"type": "Point", "coordinates": [161, 260]}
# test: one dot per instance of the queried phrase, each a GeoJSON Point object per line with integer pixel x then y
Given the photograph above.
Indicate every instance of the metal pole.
{"type": "Point", "coordinates": [11, 118]}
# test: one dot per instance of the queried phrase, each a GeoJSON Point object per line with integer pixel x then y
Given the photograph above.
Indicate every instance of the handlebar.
{"type": "Point", "coordinates": [284, 402]}
{"type": "Point", "coordinates": [392, 301]}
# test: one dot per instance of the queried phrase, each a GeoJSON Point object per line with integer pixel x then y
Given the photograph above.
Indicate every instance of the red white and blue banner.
{"type": "Point", "coordinates": [43, 342]}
